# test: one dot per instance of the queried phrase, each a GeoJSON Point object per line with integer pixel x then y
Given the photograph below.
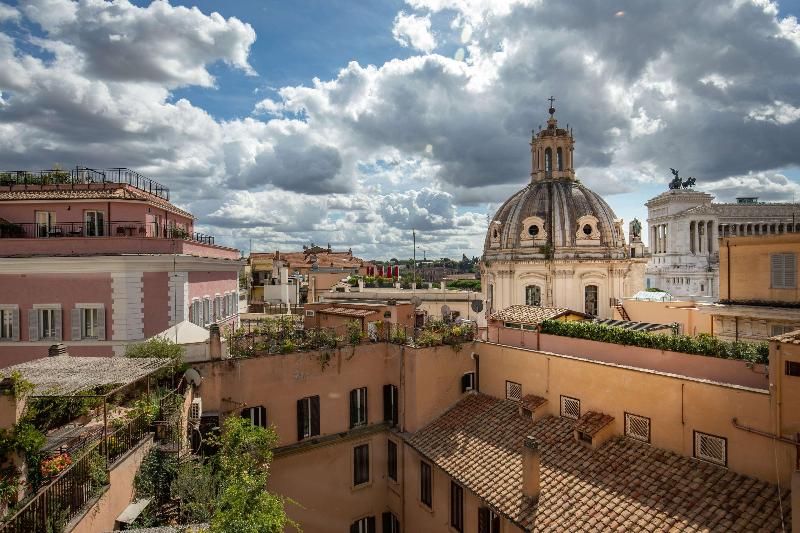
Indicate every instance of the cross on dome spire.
{"type": "Point", "coordinates": [552, 109]}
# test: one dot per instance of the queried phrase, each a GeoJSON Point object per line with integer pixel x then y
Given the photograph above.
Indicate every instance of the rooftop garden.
{"type": "Point", "coordinates": [702, 344]}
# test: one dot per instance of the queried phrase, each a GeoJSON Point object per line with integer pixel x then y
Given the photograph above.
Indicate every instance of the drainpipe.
{"type": "Point", "coordinates": [728, 254]}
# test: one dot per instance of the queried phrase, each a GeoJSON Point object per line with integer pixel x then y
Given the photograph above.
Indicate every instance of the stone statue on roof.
{"type": "Point", "coordinates": [636, 230]}
{"type": "Point", "coordinates": [678, 183]}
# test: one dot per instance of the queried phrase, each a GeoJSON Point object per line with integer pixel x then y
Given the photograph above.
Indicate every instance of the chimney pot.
{"type": "Point", "coordinates": [214, 342]}
{"type": "Point", "coordinates": [531, 474]}
{"type": "Point", "coordinates": [57, 349]}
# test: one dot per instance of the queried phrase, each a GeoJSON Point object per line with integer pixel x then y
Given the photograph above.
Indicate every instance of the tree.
{"type": "Point", "coordinates": [244, 505]}
{"type": "Point", "coordinates": [158, 347]}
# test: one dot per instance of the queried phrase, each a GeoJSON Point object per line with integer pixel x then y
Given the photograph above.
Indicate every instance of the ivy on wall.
{"type": "Point", "coordinates": [703, 344]}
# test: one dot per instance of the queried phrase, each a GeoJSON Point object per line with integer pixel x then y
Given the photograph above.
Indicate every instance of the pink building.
{"type": "Point", "coordinates": [101, 259]}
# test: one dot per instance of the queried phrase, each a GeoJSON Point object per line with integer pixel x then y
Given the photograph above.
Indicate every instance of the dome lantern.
{"type": "Point", "coordinates": [551, 151]}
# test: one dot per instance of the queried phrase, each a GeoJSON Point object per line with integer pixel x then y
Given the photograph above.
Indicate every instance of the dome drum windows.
{"type": "Point", "coordinates": [495, 231]}
{"type": "Point", "coordinates": [533, 232]}
{"type": "Point", "coordinates": [587, 233]}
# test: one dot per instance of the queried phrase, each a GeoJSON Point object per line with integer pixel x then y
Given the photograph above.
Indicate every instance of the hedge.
{"type": "Point", "coordinates": [703, 344]}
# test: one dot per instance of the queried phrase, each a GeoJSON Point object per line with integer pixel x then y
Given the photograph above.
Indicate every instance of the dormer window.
{"type": "Point", "coordinates": [587, 229]}
{"type": "Point", "coordinates": [495, 234]}
{"type": "Point", "coordinates": [533, 230]}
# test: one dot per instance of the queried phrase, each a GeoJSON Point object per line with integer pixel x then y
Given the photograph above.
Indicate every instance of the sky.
{"type": "Point", "coordinates": [279, 124]}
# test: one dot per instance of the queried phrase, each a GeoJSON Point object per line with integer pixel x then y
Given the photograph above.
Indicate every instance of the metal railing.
{"type": "Point", "coordinates": [32, 230]}
{"type": "Point", "coordinates": [65, 496]}
{"type": "Point", "coordinates": [84, 175]}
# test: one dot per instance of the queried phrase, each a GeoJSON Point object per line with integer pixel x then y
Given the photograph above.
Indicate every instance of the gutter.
{"type": "Point", "coordinates": [772, 436]}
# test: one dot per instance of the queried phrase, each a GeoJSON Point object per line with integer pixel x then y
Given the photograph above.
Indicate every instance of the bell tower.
{"type": "Point", "coordinates": [551, 151]}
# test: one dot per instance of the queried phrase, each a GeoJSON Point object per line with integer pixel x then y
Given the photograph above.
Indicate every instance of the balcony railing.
{"type": "Point", "coordinates": [99, 229]}
{"type": "Point", "coordinates": [83, 175]}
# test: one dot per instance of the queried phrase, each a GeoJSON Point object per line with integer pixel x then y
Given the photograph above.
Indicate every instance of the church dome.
{"type": "Point", "coordinates": [555, 216]}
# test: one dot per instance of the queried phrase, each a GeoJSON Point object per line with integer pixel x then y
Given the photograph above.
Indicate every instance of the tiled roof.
{"type": "Point", "coordinates": [591, 422]}
{"type": "Point", "coordinates": [624, 485]}
{"type": "Point", "coordinates": [304, 259]}
{"type": "Point", "coordinates": [111, 192]}
{"type": "Point", "coordinates": [347, 311]}
{"type": "Point", "coordinates": [530, 314]}
{"type": "Point", "coordinates": [531, 402]}
{"type": "Point", "coordinates": [793, 337]}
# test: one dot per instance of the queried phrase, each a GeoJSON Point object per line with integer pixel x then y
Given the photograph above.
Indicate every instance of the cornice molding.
{"type": "Point", "coordinates": [119, 263]}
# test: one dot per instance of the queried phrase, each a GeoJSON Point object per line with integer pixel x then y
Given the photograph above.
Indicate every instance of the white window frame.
{"type": "Point", "coordinates": [40, 309]}
{"type": "Point", "coordinates": [207, 308]}
{"type": "Point", "coordinates": [197, 312]}
{"type": "Point", "coordinates": [361, 406]}
{"type": "Point", "coordinates": [99, 308]}
{"type": "Point", "coordinates": [11, 310]}
{"type": "Point", "coordinates": [90, 322]}
{"type": "Point", "coordinates": [93, 213]}
{"type": "Point", "coordinates": [255, 415]}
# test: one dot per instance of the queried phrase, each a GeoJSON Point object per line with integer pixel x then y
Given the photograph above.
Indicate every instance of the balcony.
{"type": "Point", "coordinates": [83, 176]}
{"type": "Point", "coordinates": [105, 238]}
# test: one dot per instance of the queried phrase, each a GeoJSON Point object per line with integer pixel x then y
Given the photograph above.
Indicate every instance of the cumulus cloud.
{"type": "Point", "coordinates": [414, 31]}
{"type": "Point", "coordinates": [8, 12]}
{"type": "Point", "coordinates": [767, 186]}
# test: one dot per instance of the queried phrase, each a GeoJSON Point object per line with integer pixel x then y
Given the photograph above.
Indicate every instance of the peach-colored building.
{"type": "Point", "coordinates": [758, 287]}
{"type": "Point", "coordinates": [368, 314]}
{"type": "Point", "coordinates": [100, 259]}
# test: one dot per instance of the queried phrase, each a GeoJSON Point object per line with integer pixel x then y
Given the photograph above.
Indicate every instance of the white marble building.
{"type": "Point", "coordinates": [684, 229]}
{"type": "Point", "coordinates": [556, 243]}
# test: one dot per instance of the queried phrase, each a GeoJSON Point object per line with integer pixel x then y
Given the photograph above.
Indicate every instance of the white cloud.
{"type": "Point", "coordinates": [778, 113]}
{"type": "Point", "coordinates": [767, 186]}
{"type": "Point", "coordinates": [414, 31]}
{"type": "Point", "coordinates": [8, 12]}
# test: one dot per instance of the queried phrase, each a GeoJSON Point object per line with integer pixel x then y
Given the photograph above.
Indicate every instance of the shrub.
{"type": "Point", "coordinates": [703, 344]}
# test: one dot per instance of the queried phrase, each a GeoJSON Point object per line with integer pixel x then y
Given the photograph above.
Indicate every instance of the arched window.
{"type": "Point", "coordinates": [590, 300]}
{"type": "Point", "coordinates": [559, 159]}
{"type": "Point", "coordinates": [533, 295]}
{"type": "Point", "coordinates": [490, 297]}
{"type": "Point", "coordinates": [548, 160]}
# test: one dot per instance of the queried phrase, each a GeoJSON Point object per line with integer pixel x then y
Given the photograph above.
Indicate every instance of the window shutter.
{"type": "Point", "coordinates": [371, 524]}
{"type": "Point", "coordinates": [57, 320]}
{"type": "Point", "coordinates": [101, 323]}
{"type": "Point", "coordinates": [75, 324]}
{"type": "Point", "coordinates": [353, 408]}
{"type": "Point", "coordinates": [315, 415]}
{"type": "Point", "coordinates": [386, 519]}
{"type": "Point", "coordinates": [33, 324]}
{"type": "Point", "coordinates": [483, 520]}
{"type": "Point", "coordinates": [15, 324]}
{"type": "Point", "coordinates": [300, 420]}
{"type": "Point", "coordinates": [776, 265]}
{"type": "Point", "coordinates": [387, 403]}
{"type": "Point", "coordinates": [790, 271]}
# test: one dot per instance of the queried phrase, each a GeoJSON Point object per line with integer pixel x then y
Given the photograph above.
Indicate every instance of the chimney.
{"type": "Point", "coordinates": [57, 349]}
{"type": "Point", "coordinates": [530, 468]}
{"type": "Point", "coordinates": [214, 343]}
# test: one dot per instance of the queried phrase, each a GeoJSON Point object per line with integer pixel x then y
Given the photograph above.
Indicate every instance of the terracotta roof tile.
{"type": "Point", "coordinates": [531, 402]}
{"type": "Point", "coordinates": [591, 422]}
{"type": "Point", "coordinates": [624, 485]}
{"type": "Point", "coordinates": [530, 314]}
{"type": "Point", "coordinates": [347, 311]}
{"type": "Point", "coordinates": [793, 337]}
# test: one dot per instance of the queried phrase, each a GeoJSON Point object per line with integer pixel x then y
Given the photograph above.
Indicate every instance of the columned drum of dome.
{"type": "Point", "coordinates": [558, 238]}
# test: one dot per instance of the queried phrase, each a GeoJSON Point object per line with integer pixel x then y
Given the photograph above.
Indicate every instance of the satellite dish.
{"type": "Point", "coordinates": [445, 311]}
{"type": "Point", "coordinates": [476, 305]}
{"type": "Point", "coordinates": [416, 300]}
{"type": "Point", "coordinates": [193, 376]}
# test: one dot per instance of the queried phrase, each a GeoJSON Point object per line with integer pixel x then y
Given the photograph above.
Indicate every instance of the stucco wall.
{"type": "Point", "coordinates": [156, 302]}
{"type": "Point", "coordinates": [676, 406]}
{"type": "Point", "coordinates": [745, 271]}
{"type": "Point", "coordinates": [684, 313]}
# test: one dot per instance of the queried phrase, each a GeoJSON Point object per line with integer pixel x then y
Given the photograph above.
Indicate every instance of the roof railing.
{"type": "Point", "coordinates": [84, 175]}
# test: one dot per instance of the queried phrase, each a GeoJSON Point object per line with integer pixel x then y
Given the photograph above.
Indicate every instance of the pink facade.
{"type": "Point", "coordinates": [101, 265]}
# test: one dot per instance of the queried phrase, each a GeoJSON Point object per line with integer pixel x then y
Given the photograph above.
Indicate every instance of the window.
{"type": "Point", "coordinates": [513, 391]}
{"type": "Point", "coordinates": [793, 368]}
{"type": "Point", "coordinates": [425, 484]}
{"type": "Point", "coordinates": [637, 427]}
{"type": "Point", "coordinates": [587, 229]}
{"type": "Point", "coordinates": [533, 230]}
{"type": "Point", "coordinates": [365, 525]}
{"type": "Point", "coordinates": [548, 160]}
{"type": "Point", "coordinates": [45, 222]}
{"type": "Point", "coordinates": [47, 324]}
{"type": "Point", "coordinates": [206, 311]}
{"type": "Point", "coordinates": [391, 449]}
{"type": "Point", "coordinates": [256, 415]}
{"type": "Point", "coordinates": [89, 323]}
{"type": "Point", "coordinates": [781, 329]}
{"type": "Point", "coordinates": [93, 223]}
{"type": "Point", "coordinates": [307, 417]}
{"type": "Point", "coordinates": [488, 521]}
{"type": "Point", "coordinates": [590, 300]}
{"type": "Point", "coordinates": [390, 404]}
{"type": "Point", "coordinates": [358, 407]}
{"type": "Point", "coordinates": [456, 506]}
{"type": "Point", "coordinates": [361, 464]}
{"type": "Point", "coordinates": [711, 448]}
{"type": "Point", "coordinates": [468, 382]}
{"type": "Point", "coordinates": [559, 159]}
{"type": "Point", "coordinates": [784, 271]}
{"type": "Point", "coordinates": [9, 323]}
{"type": "Point", "coordinates": [570, 407]}
{"type": "Point", "coordinates": [533, 295]}
{"type": "Point", "coordinates": [197, 315]}
{"type": "Point", "coordinates": [44, 323]}
{"type": "Point", "coordinates": [390, 523]}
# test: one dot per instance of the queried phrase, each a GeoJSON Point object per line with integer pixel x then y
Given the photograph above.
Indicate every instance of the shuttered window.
{"type": "Point", "coordinates": [256, 415]}
{"type": "Point", "coordinates": [391, 454]}
{"type": "Point", "coordinates": [307, 417]}
{"type": "Point", "coordinates": [456, 506]}
{"type": "Point", "coordinates": [361, 464]}
{"type": "Point", "coordinates": [9, 323]}
{"type": "Point", "coordinates": [358, 407]}
{"type": "Point", "coordinates": [783, 271]}
{"type": "Point", "coordinates": [365, 525]}
{"type": "Point", "coordinates": [390, 404]}
{"type": "Point", "coordinates": [425, 482]}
